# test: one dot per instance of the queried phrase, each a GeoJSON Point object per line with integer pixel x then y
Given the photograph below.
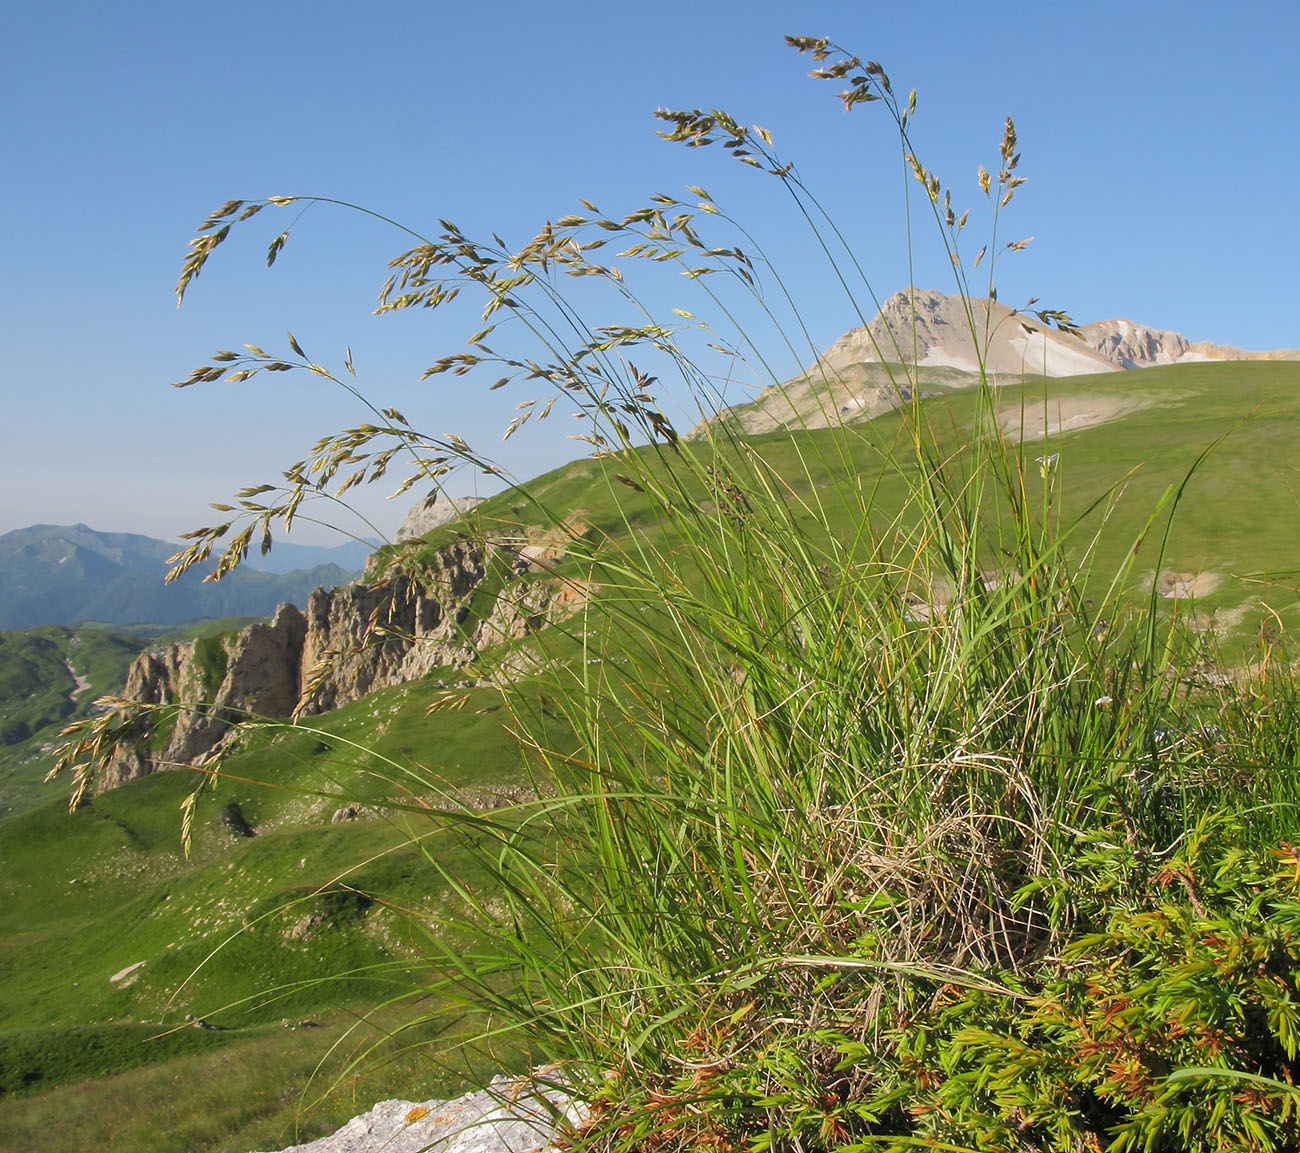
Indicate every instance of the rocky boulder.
{"type": "Point", "coordinates": [512, 1115]}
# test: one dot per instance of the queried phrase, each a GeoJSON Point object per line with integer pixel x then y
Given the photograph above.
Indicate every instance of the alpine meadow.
{"type": "Point", "coordinates": [866, 781]}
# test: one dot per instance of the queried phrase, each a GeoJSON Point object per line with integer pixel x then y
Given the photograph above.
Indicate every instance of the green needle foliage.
{"type": "Point", "coordinates": [865, 821]}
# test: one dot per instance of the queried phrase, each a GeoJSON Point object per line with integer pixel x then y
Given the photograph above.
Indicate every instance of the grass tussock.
{"type": "Point", "coordinates": [857, 822]}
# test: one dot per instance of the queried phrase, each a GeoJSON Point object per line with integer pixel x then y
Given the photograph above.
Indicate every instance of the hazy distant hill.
{"type": "Point", "coordinates": [286, 558]}
{"type": "Point", "coordinates": [62, 574]}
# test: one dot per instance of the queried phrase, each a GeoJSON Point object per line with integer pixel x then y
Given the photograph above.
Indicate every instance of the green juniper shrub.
{"type": "Point", "coordinates": [1175, 1027]}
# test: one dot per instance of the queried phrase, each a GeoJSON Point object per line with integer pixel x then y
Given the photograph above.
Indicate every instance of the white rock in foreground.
{"type": "Point", "coordinates": [512, 1115]}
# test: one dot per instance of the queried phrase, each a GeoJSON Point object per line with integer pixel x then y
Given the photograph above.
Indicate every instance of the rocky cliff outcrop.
{"type": "Point", "coordinates": [1129, 345]}
{"type": "Point", "coordinates": [350, 641]}
{"type": "Point", "coordinates": [255, 671]}
{"type": "Point", "coordinates": [362, 638]}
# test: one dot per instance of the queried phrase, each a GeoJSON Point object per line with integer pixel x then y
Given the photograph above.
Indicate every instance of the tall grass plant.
{"type": "Point", "coordinates": [827, 769]}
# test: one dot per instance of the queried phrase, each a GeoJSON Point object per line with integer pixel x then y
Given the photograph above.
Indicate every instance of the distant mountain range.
{"type": "Point", "coordinates": [64, 574]}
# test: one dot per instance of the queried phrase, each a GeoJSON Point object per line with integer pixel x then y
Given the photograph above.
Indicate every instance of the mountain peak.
{"type": "Point", "coordinates": [928, 328]}
{"type": "Point", "coordinates": [929, 334]}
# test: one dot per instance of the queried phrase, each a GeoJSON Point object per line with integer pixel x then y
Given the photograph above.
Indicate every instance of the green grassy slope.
{"type": "Point", "coordinates": [52, 675]}
{"type": "Point", "coordinates": [1138, 434]}
{"type": "Point", "coordinates": [48, 677]}
{"type": "Point", "coordinates": [1121, 442]}
{"type": "Point", "coordinates": [307, 919]}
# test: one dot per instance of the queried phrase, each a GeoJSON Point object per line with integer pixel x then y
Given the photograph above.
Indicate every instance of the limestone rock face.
{"type": "Point", "coordinates": [512, 1115]}
{"type": "Point", "coordinates": [371, 637]}
{"type": "Point", "coordinates": [934, 330]}
{"type": "Point", "coordinates": [1129, 345]}
{"type": "Point", "coordinates": [260, 676]}
{"type": "Point", "coordinates": [428, 514]}
{"type": "Point", "coordinates": [351, 641]}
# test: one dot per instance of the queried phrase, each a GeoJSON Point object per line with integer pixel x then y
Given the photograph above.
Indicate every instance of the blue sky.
{"type": "Point", "coordinates": [1159, 143]}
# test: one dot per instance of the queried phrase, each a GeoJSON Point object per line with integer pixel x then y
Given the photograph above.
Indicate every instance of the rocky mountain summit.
{"type": "Point", "coordinates": [922, 341]}
{"type": "Point", "coordinates": [931, 329]}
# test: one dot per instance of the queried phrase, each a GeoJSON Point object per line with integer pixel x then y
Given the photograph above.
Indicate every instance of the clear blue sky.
{"type": "Point", "coordinates": [1159, 139]}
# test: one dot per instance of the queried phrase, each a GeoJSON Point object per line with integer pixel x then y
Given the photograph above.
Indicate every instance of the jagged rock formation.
{"type": "Point", "coordinates": [363, 638]}
{"type": "Point", "coordinates": [1129, 345]}
{"type": "Point", "coordinates": [261, 675]}
{"type": "Point", "coordinates": [351, 641]}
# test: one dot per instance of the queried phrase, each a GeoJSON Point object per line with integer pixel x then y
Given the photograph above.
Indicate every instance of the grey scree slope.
{"type": "Point", "coordinates": [512, 1115]}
